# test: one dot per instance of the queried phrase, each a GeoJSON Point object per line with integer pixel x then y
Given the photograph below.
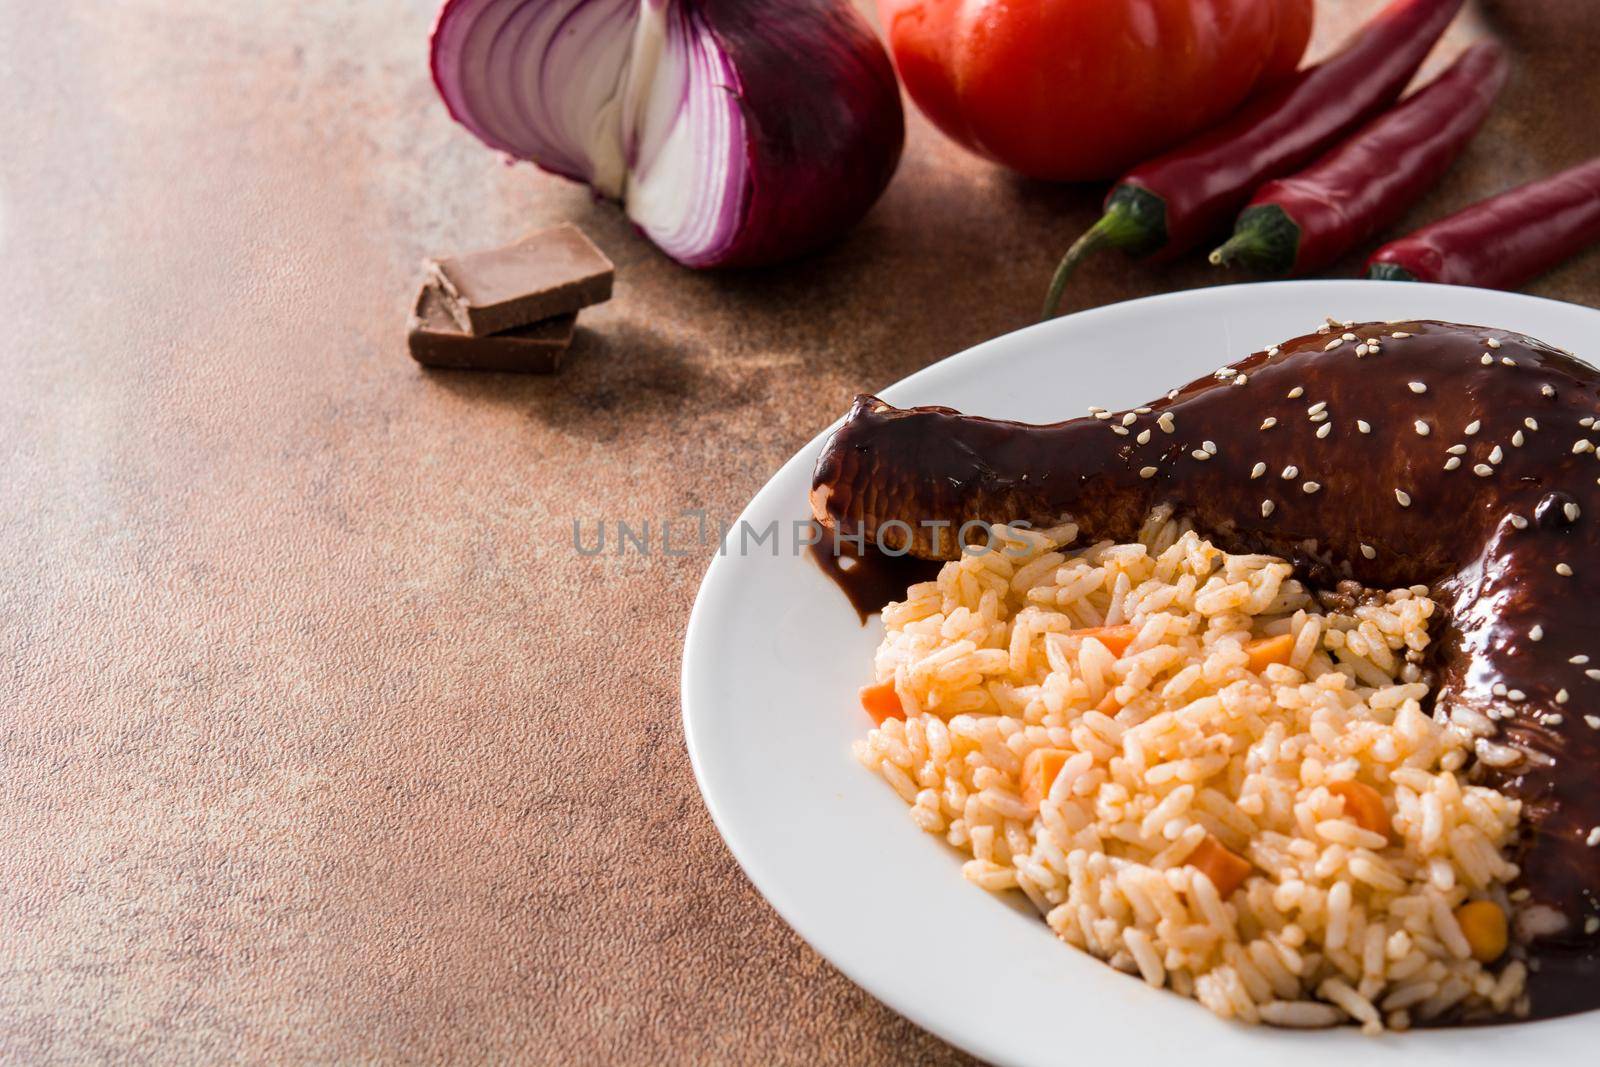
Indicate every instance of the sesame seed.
{"type": "Point", "coordinates": [1508, 361]}
{"type": "Point", "coordinates": [1120, 431]}
{"type": "Point", "coordinates": [1321, 416]}
{"type": "Point", "coordinates": [1209, 446]}
{"type": "Point", "coordinates": [1268, 423]}
{"type": "Point", "coordinates": [1536, 633]}
{"type": "Point", "coordinates": [1531, 423]}
{"type": "Point", "coordinates": [1143, 437]}
{"type": "Point", "coordinates": [1483, 470]}
{"type": "Point", "coordinates": [1516, 696]}
{"type": "Point", "coordinates": [1583, 444]}
{"type": "Point", "coordinates": [1349, 336]}
{"type": "Point", "coordinates": [1593, 674]}
{"type": "Point", "coordinates": [1594, 837]}
{"type": "Point", "coordinates": [1147, 472]}
{"type": "Point", "coordinates": [1457, 450]}
{"type": "Point", "coordinates": [1422, 428]}
{"type": "Point", "coordinates": [1472, 427]}
{"type": "Point", "coordinates": [1102, 414]}
{"type": "Point", "coordinates": [1496, 454]}
{"type": "Point", "coordinates": [1129, 419]}
{"type": "Point", "coordinates": [1274, 350]}
{"type": "Point", "coordinates": [1498, 689]}
{"type": "Point", "coordinates": [1518, 521]}
{"type": "Point", "coordinates": [1417, 387]}
{"type": "Point", "coordinates": [1363, 425]}
{"type": "Point", "coordinates": [1257, 471]}
{"type": "Point", "coordinates": [1492, 343]}
{"type": "Point", "coordinates": [1289, 472]}
{"type": "Point", "coordinates": [1591, 924]}
{"type": "Point", "coordinates": [1331, 345]}
{"type": "Point", "coordinates": [1266, 508]}
{"type": "Point", "coordinates": [1142, 411]}
{"type": "Point", "coordinates": [1586, 422]}
{"type": "Point", "coordinates": [1369, 552]}
{"type": "Point", "coordinates": [1296, 393]}
{"type": "Point", "coordinates": [1571, 511]}
{"type": "Point", "coordinates": [1547, 390]}
{"type": "Point", "coordinates": [1399, 336]}
{"type": "Point", "coordinates": [1324, 327]}
{"type": "Point", "coordinates": [1311, 487]}
{"type": "Point", "coordinates": [1486, 359]}
{"type": "Point", "coordinates": [1324, 429]}
{"type": "Point", "coordinates": [1564, 570]}
{"type": "Point", "coordinates": [1579, 659]}
{"type": "Point", "coordinates": [1403, 497]}
{"type": "Point", "coordinates": [1592, 720]}
{"type": "Point", "coordinates": [1362, 350]}
{"type": "Point", "coordinates": [1165, 422]}
{"type": "Point", "coordinates": [1517, 439]}
{"type": "Point", "coordinates": [1224, 373]}
{"type": "Point", "coordinates": [1554, 719]}
{"type": "Point", "coordinates": [1241, 379]}
{"type": "Point", "coordinates": [1172, 394]}
{"type": "Point", "coordinates": [1452, 463]}
{"type": "Point", "coordinates": [1321, 405]}
{"type": "Point", "coordinates": [1200, 454]}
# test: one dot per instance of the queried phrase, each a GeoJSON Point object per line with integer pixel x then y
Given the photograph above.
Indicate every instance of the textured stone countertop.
{"type": "Point", "coordinates": [317, 738]}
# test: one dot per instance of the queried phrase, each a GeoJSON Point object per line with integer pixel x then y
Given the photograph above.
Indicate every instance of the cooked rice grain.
{"type": "Point", "coordinates": [1178, 739]}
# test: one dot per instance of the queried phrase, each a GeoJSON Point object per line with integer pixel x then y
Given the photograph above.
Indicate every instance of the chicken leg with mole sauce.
{"type": "Point", "coordinates": [1385, 454]}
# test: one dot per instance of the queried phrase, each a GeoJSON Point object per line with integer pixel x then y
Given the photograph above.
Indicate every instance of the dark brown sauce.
{"type": "Point", "coordinates": [1337, 460]}
{"type": "Point", "coordinates": [1565, 982]}
{"type": "Point", "coordinates": [868, 577]}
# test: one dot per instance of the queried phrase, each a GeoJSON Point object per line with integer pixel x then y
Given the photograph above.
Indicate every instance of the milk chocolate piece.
{"type": "Point", "coordinates": [438, 341]}
{"type": "Point", "coordinates": [546, 274]}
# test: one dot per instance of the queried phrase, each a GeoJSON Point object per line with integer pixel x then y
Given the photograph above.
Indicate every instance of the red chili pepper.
{"type": "Point", "coordinates": [1301, 224]}
{"type": "Point", "coordinates": [1179, 199]}
{"type": "Point", "coordinates": [1504, 241]}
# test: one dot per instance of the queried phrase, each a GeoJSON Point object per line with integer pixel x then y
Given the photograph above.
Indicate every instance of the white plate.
{"type": "Point", "coordinates": [774, 656]}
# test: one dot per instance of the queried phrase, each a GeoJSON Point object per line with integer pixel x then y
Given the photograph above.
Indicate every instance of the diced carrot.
{"type": "Point", "coordinates": [1039, 770]}
{"type": "Point", "coordinates": [1363, 804]}
{"type": "Point", "coordinates": [1483, 924]}
{"type": "Point", "coordinates": [1269, 650]}
{"type": "Point", "coordinates": [882, 702]}
{"type": "Point", "coordinates": [1115, 638]}
{"type": "Point", "coordinates": [1227, 870]}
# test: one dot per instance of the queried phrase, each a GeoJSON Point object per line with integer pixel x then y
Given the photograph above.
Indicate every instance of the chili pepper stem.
{"type": "Point", "coordinates": [1230, 251]}
{"type": "Point", "coordinates": [1091, 240]}
{"type": "Point", "coordinates": [1389, 272]}
{"type": "Point", "coordinates": [1265, 239]}
{"type": "Point", "coordinates": [1135, 221]}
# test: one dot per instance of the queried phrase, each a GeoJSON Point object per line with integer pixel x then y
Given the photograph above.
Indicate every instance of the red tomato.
{"type": "Point", "coordinates": [1083, 89]}
{"type": "Point", "coordinates": [1294, 33]}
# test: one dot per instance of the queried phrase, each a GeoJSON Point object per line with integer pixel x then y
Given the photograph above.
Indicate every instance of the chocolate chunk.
{"type": "Point", "coordinates": [438, 341]}
{"type": "Point", "coordinates": [546, 274]}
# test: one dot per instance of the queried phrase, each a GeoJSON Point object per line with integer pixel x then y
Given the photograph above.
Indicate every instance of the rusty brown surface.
{"type": "Point", "coordinates": [317, 738]}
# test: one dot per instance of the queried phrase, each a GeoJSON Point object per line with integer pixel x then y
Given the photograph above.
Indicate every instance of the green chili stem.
{"type": "Point", "coordinates": [1117, 228]}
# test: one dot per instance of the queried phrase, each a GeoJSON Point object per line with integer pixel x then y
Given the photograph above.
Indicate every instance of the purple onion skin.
{"type": "Point", "coordinates": [825, 133]}
{"type": "Point", "coordinates": [823, 119]}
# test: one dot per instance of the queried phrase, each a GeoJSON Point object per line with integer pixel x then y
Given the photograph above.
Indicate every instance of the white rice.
{"type": "Point", "coordinates": [1334, 923]}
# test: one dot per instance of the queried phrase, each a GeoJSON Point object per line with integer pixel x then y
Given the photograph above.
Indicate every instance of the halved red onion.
{"type": "Point", "coordinates": [734, 132]}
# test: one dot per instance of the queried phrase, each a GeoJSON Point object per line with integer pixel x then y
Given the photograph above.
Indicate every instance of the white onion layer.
{"type": "Point", "coordinates": [641, 100]}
